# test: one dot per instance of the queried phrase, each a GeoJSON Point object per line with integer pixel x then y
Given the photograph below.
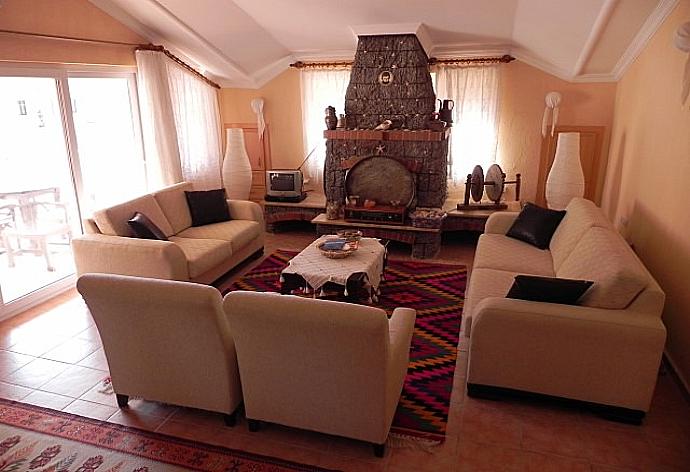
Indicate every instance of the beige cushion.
{"type": "Point", "coordinates": [238, 232]}
{"type": "Point", "coordinates": [174, 205]}
{"type": "Point", "coordinates": [497, 251]}
{"type": "Point", "coordinates": [484, 283]}
{"type": "Point", "coordinates": [580, 215]}
{"type": "Point", "coordinates": [113, 221]}
{"type": "Point", "coordinates": [202, 254]}
{"type": "Point", "coordinates": [603, 256]}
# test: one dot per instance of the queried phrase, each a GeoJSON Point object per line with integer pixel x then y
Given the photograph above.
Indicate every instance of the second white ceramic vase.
{"type": "Point", "coordinates": [237, 170]}
{"type": "Point", "coordinates": [566, 180]}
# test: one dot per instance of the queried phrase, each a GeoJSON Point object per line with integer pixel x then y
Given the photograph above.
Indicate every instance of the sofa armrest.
{"type": "Point", "coordinates": [500, 222]}
{"type": "Point", "coordinates": [592, 354]}
{"type": "Point", "coordinates": [246, 210]}
{"type": "Point", "coordinates": [129, 256]}
{"type": "Point", "coordinates": [400, 330]}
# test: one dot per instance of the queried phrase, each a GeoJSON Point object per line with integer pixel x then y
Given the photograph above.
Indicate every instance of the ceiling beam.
{"type": "Point", "coordinates": [595, 33]}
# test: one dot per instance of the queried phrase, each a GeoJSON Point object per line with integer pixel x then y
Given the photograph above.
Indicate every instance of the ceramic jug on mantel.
{"type": "Point", "coordinates": [445, 111]}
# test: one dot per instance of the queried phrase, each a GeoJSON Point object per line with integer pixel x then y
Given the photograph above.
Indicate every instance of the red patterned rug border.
{"type": "Point", "coordinates": [189, 444]}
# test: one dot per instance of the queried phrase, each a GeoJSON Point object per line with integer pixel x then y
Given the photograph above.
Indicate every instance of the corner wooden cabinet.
{"type": "Point", "coordinates": [259, 151]}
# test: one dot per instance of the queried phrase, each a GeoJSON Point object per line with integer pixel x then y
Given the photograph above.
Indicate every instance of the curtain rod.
{"type": "Point", "coordinates": [432, 62]}
{"type": "Point", "coordinates": [137, 46]}
{"type": "Point", "coordinates": [153, 47]}
{"type": "Point", "coordinates": [69, 38]}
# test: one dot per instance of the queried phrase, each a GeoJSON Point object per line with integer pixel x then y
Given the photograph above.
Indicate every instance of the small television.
{"type": "Point", "coordinates": [284, 185]}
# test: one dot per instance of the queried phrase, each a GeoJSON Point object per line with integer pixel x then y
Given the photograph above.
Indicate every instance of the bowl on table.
{"type": "Point", "coordinates": [337, 248]}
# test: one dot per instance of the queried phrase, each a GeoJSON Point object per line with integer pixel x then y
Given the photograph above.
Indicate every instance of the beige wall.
{"type": "Point", "coordinates": [77, 18]}
{"type": "Point", "coordinates": [647, 189]}
{"type": "Point", "coordinates": [282, 112]}
{"type": "Point", "coordinates": [521, 109]}
{"type": "Point", "coordinates": [522, 103]}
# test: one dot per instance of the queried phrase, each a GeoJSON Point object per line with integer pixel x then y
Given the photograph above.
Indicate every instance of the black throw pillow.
{"type": "Point", "coordinates": [535, 225]}
{"type": "Point", "coordinates": [548, 289]}
{"type": "Point", "coordinates": [208, 206]}
{"type": "Point", "coordinates": [143, 228]}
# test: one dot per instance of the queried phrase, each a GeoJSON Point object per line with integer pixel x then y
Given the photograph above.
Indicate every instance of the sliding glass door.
{"type": "Point", "coordinates": [69, 144]}
{"type": "Point", "coordinates": [38, 211]}
{"type": "Point", "coordinates": [108, 141]}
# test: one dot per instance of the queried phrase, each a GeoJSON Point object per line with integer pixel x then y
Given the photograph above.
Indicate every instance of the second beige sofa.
{"type": "Point", "coordinates": [604, 351]}
{"type": "Point", "coordinates": [198, 254]}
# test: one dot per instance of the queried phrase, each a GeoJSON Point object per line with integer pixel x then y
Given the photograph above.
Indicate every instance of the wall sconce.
{"type": "Point", "coordinates": [553, 100]}
{"type": "Point", "coordinates": [682, 42]}
{"type": "Point", "coordinates": [258, 108]}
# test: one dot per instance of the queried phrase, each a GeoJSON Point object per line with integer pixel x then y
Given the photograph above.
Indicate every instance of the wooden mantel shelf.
{"type": "Point", "coordinates": [393, 135]}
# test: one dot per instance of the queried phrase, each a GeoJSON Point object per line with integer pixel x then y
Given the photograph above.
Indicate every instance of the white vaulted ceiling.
{"type": "Point", "coordinates": [245, 43]}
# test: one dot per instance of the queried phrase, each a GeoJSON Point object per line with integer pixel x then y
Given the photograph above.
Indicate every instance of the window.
{"type": "Point", "coordinates": [320, 88]}
{"type": "Point", "coordinates": [110, 154]}
{"type": "Point", "coordinates": [474, 138]}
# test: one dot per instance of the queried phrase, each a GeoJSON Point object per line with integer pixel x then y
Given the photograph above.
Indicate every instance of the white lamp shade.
{"type": "Point", "coordinates": [237, 170]}
{"type": "Point", "coordinates": [566, 180]}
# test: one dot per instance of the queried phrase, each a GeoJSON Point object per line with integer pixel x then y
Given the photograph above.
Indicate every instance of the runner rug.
{"type": "Point", "coordinates": [41, 440]}
{"type": "Point", "coordinates": [436, 291]}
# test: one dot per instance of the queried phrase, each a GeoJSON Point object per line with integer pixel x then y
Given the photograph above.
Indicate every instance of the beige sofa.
{"type": "Point", "coordinates": [321, 365]}
{"type": "Point", "coordinates": [166, 341]}
{"type": "Point", "coordinates": [198, 254]}
{"type": "Point", "coordinates": [606, 351]}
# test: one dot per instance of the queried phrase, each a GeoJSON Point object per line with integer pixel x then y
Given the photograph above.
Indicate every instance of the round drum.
{"type": "Point", "coordinates": [382, 179]}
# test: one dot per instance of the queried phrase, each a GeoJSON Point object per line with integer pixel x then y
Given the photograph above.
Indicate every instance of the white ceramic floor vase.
{"type": "Point", "coordinates": [566, 180]}
{"type": "Point", "coordinates": [237, 171]}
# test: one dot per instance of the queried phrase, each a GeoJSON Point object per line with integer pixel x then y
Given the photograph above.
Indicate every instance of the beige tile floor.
{"type": "Point", "coordinates": [51, 356]}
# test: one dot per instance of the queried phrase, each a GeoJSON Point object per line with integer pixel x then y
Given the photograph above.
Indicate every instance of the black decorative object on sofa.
{"type": "Point", "coordinates": [207, 206]}
{"type": "Point", "coordinates": [548, 289]}
{"type": "Point", "coordinates": [535, 225]}
{"type": "Point", "coordinates": [143, 228]}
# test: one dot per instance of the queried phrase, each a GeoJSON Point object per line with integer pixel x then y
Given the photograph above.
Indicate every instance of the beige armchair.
{"type": "Point", "coordinates": [166, 341]}
{"type": "Point", "coordinates": [326, 366]}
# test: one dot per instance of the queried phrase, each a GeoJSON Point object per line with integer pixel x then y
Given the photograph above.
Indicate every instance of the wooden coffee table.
{"type": "Point", "coordinates": [356, 276]}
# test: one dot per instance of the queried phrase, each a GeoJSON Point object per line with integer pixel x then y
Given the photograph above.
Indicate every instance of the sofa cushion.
{"type": "Point", "coordinates": [548, 289]}
{"type": "Point", "coordinates": [113, 221]}
{"type": "Point", "coordinates": [581, 214]}
{"type": "Point", "coordinates": [497, 251]}
{"type": "Point", "coordinates": [602, 255]}
{"type": "Point", "coordinates": [238, 232]}
{"type": "Point", "coordinates": [174, 205]}
{"type": "Point", "coordinates": [484, 283]}
{"type": "Point", "coordinates": [144, 228]}
{"type": "Point", "coordinates": [535, 225]}
{"type": "Point", "coordinates": [202, 254]}
{"type": "Point", "coordinates": [207, 206]}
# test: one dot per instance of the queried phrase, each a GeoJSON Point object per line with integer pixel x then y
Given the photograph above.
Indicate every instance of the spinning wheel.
{"type": "Point", "coordinates": [494, 183]}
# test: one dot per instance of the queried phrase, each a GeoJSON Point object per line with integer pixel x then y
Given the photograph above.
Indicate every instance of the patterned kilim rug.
{"type": "Point", "coordinates": [436, 291]}
{"type": "Point", "coordinates": [41, 440]}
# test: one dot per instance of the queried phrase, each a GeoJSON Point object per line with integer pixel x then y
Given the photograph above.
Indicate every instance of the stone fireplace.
{"type": "Point", "coordinates": [390, 80]}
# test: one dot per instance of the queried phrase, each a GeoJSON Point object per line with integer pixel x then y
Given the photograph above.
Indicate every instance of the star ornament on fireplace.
{"type": "Point", "coordinates": [380, 149]}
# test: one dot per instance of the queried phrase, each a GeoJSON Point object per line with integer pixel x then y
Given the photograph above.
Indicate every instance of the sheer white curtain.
{"type": "Point", "coordinates": [320, 88]}
{"type": "Point", "coordinates": [474, 136]}
{"type": "Point", "coordinates": [181, 123]}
